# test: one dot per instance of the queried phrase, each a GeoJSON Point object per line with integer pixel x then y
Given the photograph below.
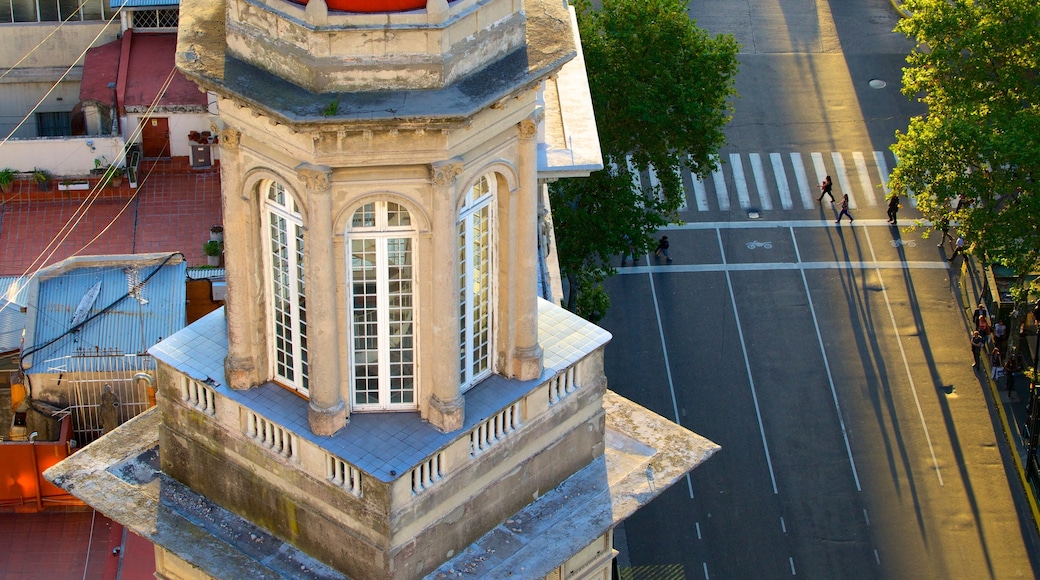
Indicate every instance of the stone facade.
{"type": "Point", "coordinates": [384, 392]}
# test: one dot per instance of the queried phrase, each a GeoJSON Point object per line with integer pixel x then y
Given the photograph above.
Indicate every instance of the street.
{"type": "Point", "coordinates": [829, 361]}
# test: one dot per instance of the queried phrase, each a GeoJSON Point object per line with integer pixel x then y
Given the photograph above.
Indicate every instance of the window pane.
{"type": "Point", "coordinates": [399, 273]}
{"type": "Point", "coordinates": [288, 293]}
{"type": "Point", "coordinates": [364, 217]}
{"type": "Point", "coordinates": [365, 316]}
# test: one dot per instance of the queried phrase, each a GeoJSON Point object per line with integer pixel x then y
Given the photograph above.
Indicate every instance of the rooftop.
{"type": "Point", "coordinates": [385, 445]}
{"type": "Point", "coordinates": [88, 305]}
{"type": "Point", "coordinates": [645, 454]}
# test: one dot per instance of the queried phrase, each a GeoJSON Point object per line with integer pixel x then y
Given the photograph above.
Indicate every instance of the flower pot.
{"type": "Point", "coordinates": [213, 260]}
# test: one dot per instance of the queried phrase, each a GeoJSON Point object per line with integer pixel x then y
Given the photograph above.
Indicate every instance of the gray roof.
{"type": "Point", "coordinates": [117, 321]}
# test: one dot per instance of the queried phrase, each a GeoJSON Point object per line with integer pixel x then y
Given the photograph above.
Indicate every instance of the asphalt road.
{"type": "Point", "coordinates": [829, 361]}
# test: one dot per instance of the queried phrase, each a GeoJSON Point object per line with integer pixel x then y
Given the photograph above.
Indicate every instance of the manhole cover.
{"type": "Point", "coordinates": [877, 84]}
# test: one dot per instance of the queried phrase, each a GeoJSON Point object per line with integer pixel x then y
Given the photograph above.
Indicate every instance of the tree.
{"type": "Point", "coordinates": [974, 157]}
{"type": "Point", "coordinates": [661, 88]}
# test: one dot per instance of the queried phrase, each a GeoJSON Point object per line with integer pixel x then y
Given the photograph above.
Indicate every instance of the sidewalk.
{"type": "Point", "coordinates": [1010, 408]}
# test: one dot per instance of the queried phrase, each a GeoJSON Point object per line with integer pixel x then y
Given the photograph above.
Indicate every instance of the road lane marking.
{"type": "Point", "coordinates": [939, 264]}
{"type": "Point", "coordinates": [764, 202]}
{"type": "Point", "coordinates": [720, 188]}
{"type": "Point", "coordinates": [783, 526]}
{"type": "Point", "coordinates": [791, 560]}
{"type": "Point", "coordinates": [882, 167]}
{"type": "Point", "coordinates": [747, 363]}
{"type": "Point", "coordinates": [821, 171]}
{"type": "Point", "coordinates": [843, 178]}
{"type": "Point", "coordinates": [706, 577]}
{"type": "Point", "coordinates": [826, 363]}
{"type": "Point", "coordinates": [783, 189]}
{"type": "Point", "coordinates": [739, 181]}
{"type": "Point", "coordinates": [699, 193]}
{"type": "Point", "coordinates": [866, 516]}
{"type": "Point", "coordinates": [906, 367]}
{"type": "Point", "coordinates": [803, 180]}
{"type": "Point", "coordinates": [677, 170]}
{"type": "Point", "coordinates": [698, 526]}
{"type": "Point", "coordinates": [667, 366]}
{"type": "Point", "coordinates": [864, 177]}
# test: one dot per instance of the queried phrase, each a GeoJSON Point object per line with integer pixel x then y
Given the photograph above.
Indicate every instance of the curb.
{"type": "Point", "coordinates": [1009, 438]}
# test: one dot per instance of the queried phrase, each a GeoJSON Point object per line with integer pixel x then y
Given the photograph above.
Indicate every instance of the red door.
{"type": "Point", "coordinates": [155, 137]}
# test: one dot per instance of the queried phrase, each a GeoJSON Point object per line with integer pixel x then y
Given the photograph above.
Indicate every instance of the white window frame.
{"type": "Point", "coordinates": [383, 234]}
{"type": "Point", "coordinates": [476, 301]}
{"type": "Point", "coordinates": [292, 370]}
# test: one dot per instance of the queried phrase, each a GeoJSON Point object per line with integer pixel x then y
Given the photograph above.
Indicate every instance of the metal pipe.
{"type": "Point", "coordinates": [151, 386]}
{"type": "Point", "coordinates": [36, 470]}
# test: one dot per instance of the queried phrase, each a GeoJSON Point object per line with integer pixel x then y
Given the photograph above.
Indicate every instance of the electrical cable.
{"type": "Point", "coordinates": [36, 348]}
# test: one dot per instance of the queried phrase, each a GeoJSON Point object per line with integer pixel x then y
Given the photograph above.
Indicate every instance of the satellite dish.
{"type": "Point", "coordinates": [85, 304]}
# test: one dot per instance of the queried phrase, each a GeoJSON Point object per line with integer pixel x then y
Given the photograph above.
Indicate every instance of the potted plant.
{"type": "Point", "coordinates": [42, 179]}
{"type": "Point", "coordinates": [114, 176]}
{"type": "Point", "coordinates": [213, 249]}
{"type": "Point", "coordinates": [6, 178]}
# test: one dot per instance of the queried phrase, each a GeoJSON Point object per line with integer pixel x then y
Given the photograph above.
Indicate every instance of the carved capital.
{"type": "Point", "coordinates": [230, 137]}
{"type": "Point", "coordinates": [527, 129]}
{"type": "Point", "coordinates": [446, 173]}
{"type": "Point", "coordinates": [315, 177]}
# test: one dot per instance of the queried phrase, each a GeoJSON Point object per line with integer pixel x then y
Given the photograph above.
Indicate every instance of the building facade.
{"type": "Point", "coordinates": [385, 395]}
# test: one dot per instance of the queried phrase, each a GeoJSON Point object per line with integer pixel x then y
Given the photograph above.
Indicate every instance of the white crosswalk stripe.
{"type": "Point", "coordinates": [843, 178]}
{"type": "Point", "coordinates": [740, 181]}
{"type": "Point", "coordinates": [864, 177]}
{"type": "Point", "coordinates": [861, 175]}
{"type": "Point", "coordinates": [764, 202]}
{"type": "Point", "coordinates": [803, 181]}
{"type": "Point", "coordinates": [781, 180]}
{"type": "Point", "coordinates": [720, 188]}
{"type": "Point", "coordinates": [821, 171]}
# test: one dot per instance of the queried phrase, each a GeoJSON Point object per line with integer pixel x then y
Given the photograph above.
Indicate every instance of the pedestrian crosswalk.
{"type": "Point", "coordinates": [784, 181]}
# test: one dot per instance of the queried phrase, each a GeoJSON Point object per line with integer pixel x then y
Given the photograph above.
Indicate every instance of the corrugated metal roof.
{"type": "Point", "coordinates": [129, 325]}
{"type": "Point", "coordinates": [116, 4]}
{"type": "Point", "coordinates": [12, 322]}
{"type": "Point", "coordinates": [12, 288]}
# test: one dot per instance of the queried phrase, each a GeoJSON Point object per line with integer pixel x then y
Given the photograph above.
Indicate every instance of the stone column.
{"type": "Point", "coordinates": [240, 304]}
{"type": "Point", "coordinates": [527, 358]}
{"type": "Point", "coordinates": [327, 412]}
{"type": "Point", "coordinates": [447, 406]}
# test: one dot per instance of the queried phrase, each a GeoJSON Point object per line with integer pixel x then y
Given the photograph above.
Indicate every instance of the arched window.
{"type": "Point", "coordinates": [475, 279]}
{"type": "Point", "coordinates": [381, 242]}
{"type": "Point", "coordinates": [283, 238]}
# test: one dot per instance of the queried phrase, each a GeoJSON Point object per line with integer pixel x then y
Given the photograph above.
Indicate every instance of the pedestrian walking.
{"type": "Point", "coordinates": [944, 229]}
{"type": "Point", "coordinates": [1000, 335]}
{"type": "Point", "coordinates": [958, 248]}
{"type": "Point", "coordinates": [662, 248]}
{"type": "Point", "coordinates": [984, 327]}
{"type": "Point", "coordinates": [826, 188]}
{"type": "Point", "coordinates": [976, 348]}
{"type": "Point", "coordinates": [1012, 365]}
{"type": "Point", "coordinates": [630, 251]}
{"type": "Point", "coordinates": [979, 312]}
{"type": "Point", "coordinates": [893, 208]}
{"type": "Point", "coordinates": [844, 209]}
{"type": "Point", "coordinates": [996, 364]}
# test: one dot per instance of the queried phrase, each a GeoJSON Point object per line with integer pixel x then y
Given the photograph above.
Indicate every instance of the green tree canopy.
{"type": "Point", "coordinates": [661, 88]}
{"type": "Point", "coordinates": [975, 67]}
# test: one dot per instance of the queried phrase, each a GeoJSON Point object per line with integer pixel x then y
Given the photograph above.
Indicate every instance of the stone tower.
{"type": "Point", "coordinates": [385, 395]}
